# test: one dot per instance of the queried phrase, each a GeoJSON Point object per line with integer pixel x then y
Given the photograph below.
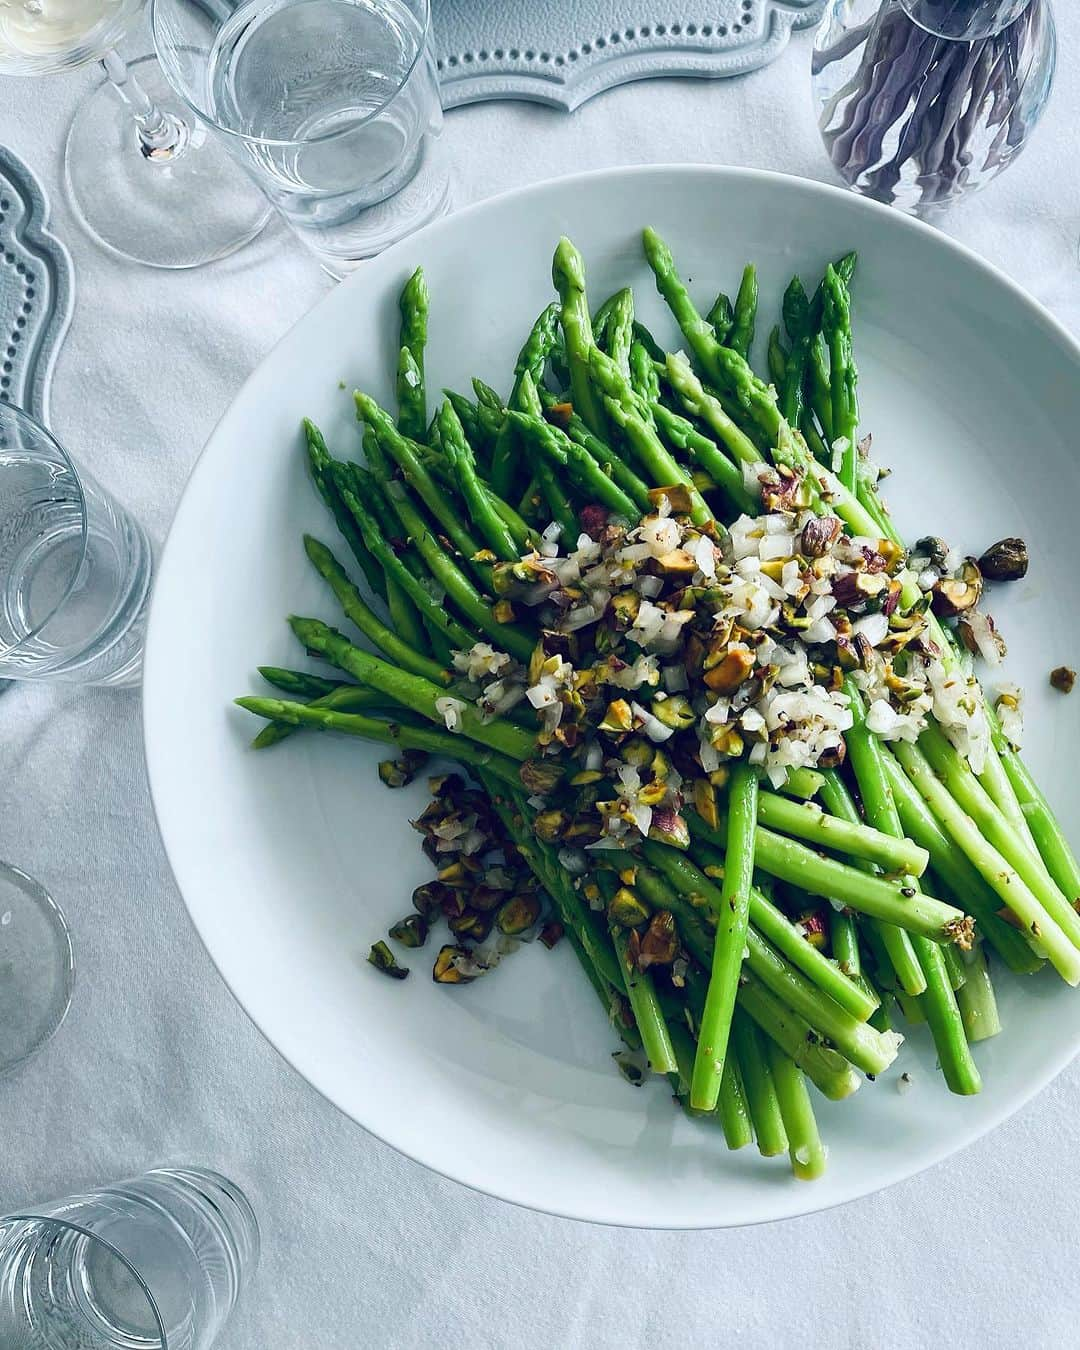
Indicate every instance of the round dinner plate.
{"type": "Point", "coordinates": [294, 860]}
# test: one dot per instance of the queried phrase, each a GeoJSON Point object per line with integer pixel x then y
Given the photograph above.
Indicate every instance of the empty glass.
{"type": "Point", "coordinates": [74, 566]}
{"type": "Point", "coordinates": [156, 1262]}
{"type": "Point", "coordinates": [332, 106]}
{"type": "Point", "coordinates": [142, 181]}
{"type": "Point", "coordinates": [37, 967]}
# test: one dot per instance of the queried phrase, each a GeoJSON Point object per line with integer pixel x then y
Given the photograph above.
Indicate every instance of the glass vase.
{"type": "Point", "coordinates": [920, 102]}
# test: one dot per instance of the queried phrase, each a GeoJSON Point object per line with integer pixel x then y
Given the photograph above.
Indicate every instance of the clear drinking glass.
{"type": "Point", "coordinates": [144, 181]}
{"type": "Point", "coordinates": [154, 1263]}
{"type": "Point", "coordinates": [332, 106]}
{"type": "Point", "coordinates": [75, 566]}
{"type": "Point", "coordinates": [921, 102]}
{"type": "Point", "coordinates": [37, 967]}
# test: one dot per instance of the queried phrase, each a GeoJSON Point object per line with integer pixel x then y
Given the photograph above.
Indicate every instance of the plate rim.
{"type": "Point", "coordinates": [502, 1188]}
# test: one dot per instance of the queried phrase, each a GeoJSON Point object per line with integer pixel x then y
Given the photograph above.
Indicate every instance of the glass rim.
{"type": "Point", "coordinates": [204, 116]}
{"type": "Point", "coordinates": [41, 895]}
{"type": "Point", "coordinates": [23, 417]}
{"type": "Point", "coordinates": [83, 1231]}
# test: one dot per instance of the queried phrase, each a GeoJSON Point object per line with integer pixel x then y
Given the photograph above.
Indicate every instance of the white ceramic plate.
{"type": "Point", "coordinates": [293, 861]}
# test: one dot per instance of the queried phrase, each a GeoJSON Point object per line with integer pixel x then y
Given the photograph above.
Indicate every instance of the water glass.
{"type": "Point", "coordinates": [156, 1262]}
{"type": "Point", "coordinates": [37, 967]}
{"type": "Point", "coordinates": [74, 566]}
{"type": "Point", "coordinates": [332, 106]}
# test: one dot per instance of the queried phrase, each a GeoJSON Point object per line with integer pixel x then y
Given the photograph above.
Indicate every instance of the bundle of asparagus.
{"type": "Point", "coordinates": [720, 719]}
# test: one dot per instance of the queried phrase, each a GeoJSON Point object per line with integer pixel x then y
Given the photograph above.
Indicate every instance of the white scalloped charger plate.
{"type": "Point", "coordinates": [292, 861]}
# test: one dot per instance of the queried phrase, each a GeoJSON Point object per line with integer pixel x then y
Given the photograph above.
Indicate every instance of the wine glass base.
{"type": "Point", "coordinates": [183, 211]}
{"type": "Point", "coordinates": [37, 967]}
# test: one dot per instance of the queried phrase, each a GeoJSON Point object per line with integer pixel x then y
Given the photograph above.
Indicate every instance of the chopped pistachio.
{"type": "Point", "coordinates": [471, 923]}
{"type": "Point", "coordinates": [1007, 560]}
{"type": "Point", "coordinates": [397, 773]}
{"type": "Point", "coordinates": [551, 933]}
{"type": "Point", "coordinates": [625, 907]}
{"type": "Point", "coordinates": [668, 827]}
{"type": "Point", "coordinates": [677, 562]}
{"type": "Point", "coordinates": [518, 914]}
{"type": "Point", "coordinates": [819, 535]}
{"type": "Point", "coordinates": [624, 608]}
{"type": "Point", "coordinates": [412, 931]}
{"type": "Point", "coordinates": [445, 971]}
{"type": "Point", "coordinates": [674, 711]}
{"type": "Point", "coordinates": [660, 943]}
{"type": "Point", "coordinates": [678, 495]}
{"type": "Point", "coordinates": [586, 777]}
{"type": "Point", "coordinates": [953, 595]}
{"type": "Point", "coordinates": [705, 802]}
{"type": "Point", "coordinates": [726, 676]}
{"type": "Point", "coordinates": [541, 775]}
{"type": "Point", "coordinates": [503, 612]}
{"type": "Point", "coordinates": [384, 961]}
{"type": "Point", "coordinates": [428, 899]}
{"type": "Point", "coordinates": [618, 717]}
{"type": "Point", "coordinates": [551, 825]}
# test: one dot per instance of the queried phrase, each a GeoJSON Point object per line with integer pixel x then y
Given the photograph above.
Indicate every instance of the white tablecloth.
{"type": "Point", "coordinates": [156, 1061]}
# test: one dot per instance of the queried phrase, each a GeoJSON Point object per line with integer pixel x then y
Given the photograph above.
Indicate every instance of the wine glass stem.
{"type": "Point", "coordinates": [162, 136]}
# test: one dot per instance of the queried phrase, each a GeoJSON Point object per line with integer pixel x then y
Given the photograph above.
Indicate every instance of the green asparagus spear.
{"type": "Point", "coordinates": [412, 401]}
{"type": "Point", "coordinates": [740, 336]}
{"type": "Point", "coordinates": [473, 492]}
{"type": "Point", "coordinates": [370, 625]}
{"type": "Point", "coordinates": [398, 733]}
{"type": "Point", "coordinates": [568, 274]}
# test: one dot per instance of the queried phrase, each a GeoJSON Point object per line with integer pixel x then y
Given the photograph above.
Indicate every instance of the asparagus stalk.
{"type": "Point", "coordinates": [809, 822]}
{"type": "Point", "coordinates": [978, 1006]}
{"type": "Point", "coordinates": [626, 410]}
{"type": "Point", "coordinates": [732, 913]}
{"type": "Point", "coordinates": [473, 492]}
{"type": "Point", "coordinates": [751, 1050]}
{"type": "Point", "coordinates": [380, 548]}
{"type": "Point", "coordinates": [994, 869]}
{"type": "Point", "coordinates": [939, 1005]}
{"type": "Point", "coordinates": [778, 929]}
{"type": "Point", "coordinates": [881, 898]}
{"type": "Point", "coordinates": [476, 609]}
{"type": "Point", "coordinates": [968, 793]}
{"type": "Point", "coordinates": [959, 876]}
{"type": "Point", "coordinates": [568, 274]}
{"type": "Point", "coordinates": [683, 435]}
{"type": "Point", "coordinates": [349, 698]}
{"type": "Point", "coordinates": [649, 1016]}
{"type": "Point", "coordinates": [405, 737]}
{"type": "Point", "coordinates": [740, 335]}
{"type": "Point", "coordinates": [406, 454]}
{"type": "Point", "coordinates": [410, 690]}
{"type": "Point", "coordinates": [366, 620]}
{"type": "Point", "coordinates": [805, 1149]}
{"type": "Point", "coordinates": [412, 398]}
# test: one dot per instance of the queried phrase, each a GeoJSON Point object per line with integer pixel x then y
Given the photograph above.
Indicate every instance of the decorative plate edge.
{"type": "Point", "coordinates": [568, 91]}
{"type": "Point", "coordinates": [33, 234]}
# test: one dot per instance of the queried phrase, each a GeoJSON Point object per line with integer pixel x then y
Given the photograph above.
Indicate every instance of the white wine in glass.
{"type": "Point", "coordinates": [144, 180]}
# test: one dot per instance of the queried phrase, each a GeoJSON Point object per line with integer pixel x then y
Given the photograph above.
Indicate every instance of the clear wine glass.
{"type": "Point", "coordinates": [145, 181]}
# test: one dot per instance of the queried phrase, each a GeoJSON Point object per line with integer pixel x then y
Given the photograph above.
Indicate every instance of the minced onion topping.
{"type": "Point", "coordinates": [701, 645]}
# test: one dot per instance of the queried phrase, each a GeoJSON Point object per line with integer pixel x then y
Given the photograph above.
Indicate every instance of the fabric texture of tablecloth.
{"type": "Point", "coordinates": [363, 1248]}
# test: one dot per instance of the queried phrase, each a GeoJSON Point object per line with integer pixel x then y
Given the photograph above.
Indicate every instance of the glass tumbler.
{"type": "Point", "coordinates": [75, 566]}
{"type": "Point", "coordinates": [921, 102]}
{"type": "Point", "coordinates": [157, 1262]}
{"type": "Point", "coordinates": [332, 106]}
